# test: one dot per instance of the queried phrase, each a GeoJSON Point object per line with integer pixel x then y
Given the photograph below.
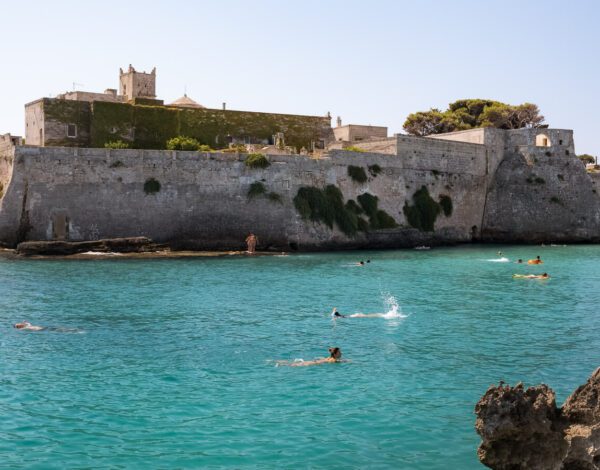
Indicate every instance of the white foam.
{"type": "Point", "coordinates": [498, 260]}
{"type": "Point", "coordinates": [393, 312]}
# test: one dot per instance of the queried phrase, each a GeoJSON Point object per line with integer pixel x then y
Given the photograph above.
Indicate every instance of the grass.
{"type": "Point", "coordinates": [116, 144]}
{"type": "Point", "coordinates": [353, 148]}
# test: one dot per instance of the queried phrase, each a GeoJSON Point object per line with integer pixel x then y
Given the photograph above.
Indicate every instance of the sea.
{"type": "Point", "coordinates": [173, 363]}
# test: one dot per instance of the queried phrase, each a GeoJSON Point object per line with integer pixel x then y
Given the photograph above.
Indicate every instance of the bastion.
{"type": "Point", "coordinates": [315, 187]}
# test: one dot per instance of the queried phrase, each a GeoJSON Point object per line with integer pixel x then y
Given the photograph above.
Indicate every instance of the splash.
{"type": "Point", "coordinates": [498, 260]}
{"type": "Point", "coordinates": [393, 309]}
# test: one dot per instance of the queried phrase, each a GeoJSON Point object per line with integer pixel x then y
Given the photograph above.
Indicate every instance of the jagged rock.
{"type": "Point", "coordinates": [64, 248]}
{"type": "Point", "coordinates": [523, 429]}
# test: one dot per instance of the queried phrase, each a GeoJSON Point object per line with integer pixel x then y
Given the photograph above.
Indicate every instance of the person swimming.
{"type": "Point", "coordinates": [519, 261]}
{"type": "Point", "coordinates": [532, 276]}
{"type": "Point", "coordinates": [537, 260]}
{"type": "Point", "coordinates": [360, 263]}
{"type": "Point", "coordinates": [335, 355]}
{"type": "Point", "coordinates": [335, 314]}
{"type": "Point", "coordinates": [25, 325]}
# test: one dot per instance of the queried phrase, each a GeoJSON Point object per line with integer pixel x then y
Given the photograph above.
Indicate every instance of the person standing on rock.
{"type": "Point", "coordinates": [251, 241]}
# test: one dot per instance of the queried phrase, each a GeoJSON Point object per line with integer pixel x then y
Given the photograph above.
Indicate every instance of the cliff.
{"type": "Point", "coordinates": [523, 429]}
{"type": "Point", "coordinates": [424, 191]}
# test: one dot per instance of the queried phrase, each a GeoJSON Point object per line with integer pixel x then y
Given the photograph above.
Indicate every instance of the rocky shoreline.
{"type": "Point", "coordinates": [114, 248]}
{"type": "Point", "coordinates": [524, 429]}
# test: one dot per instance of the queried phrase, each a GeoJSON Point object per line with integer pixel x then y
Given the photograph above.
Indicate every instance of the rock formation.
{"type": "Point", "coordinates": [523, 428]}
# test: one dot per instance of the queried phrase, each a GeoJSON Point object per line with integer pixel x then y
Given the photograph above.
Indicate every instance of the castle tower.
{"type": "Point", "coordinates": [133, 84]}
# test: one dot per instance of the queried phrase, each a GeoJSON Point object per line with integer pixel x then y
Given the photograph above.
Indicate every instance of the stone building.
{"type": "Point", "coordinates": [136, 116]}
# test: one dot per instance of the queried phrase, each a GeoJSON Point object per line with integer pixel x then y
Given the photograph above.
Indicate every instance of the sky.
{"type": "Point", "coordinates": [370, 62]}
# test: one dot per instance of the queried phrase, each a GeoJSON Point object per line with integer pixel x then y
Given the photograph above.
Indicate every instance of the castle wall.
{"type": "Point", "coordinates": [203, 201]}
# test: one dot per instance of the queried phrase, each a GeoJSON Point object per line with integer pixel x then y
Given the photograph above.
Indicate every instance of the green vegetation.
{"type": "Point", "coordinates": [70, 112]}
{"type": "Point", "coordinates": [151, 186]}
{"type": "Point", "coordinates": [256, 189]}
{"type": "Point", "coordinates": [117, 164]}
{"type": "Point", "coordinates": [473, 113]}
{"type": "Point", "coordinates": [586, 158]}
{"type": "Point", "coordinates": [274, 197]}
{"type": "Point", "coordinates": [378, 218]}
{"type": "Point", "coordinates": [353, 148]}
{"type": "Point", "coordinates": [446, 204]}
{"type": "Point", "coordinates": [424, 211]}
{"type": "Point", "coordinates": [374, 170]}
{"type": "Point", "coordinates": [116, 144]}
{"type": "Point", "coordinates": [357, 174]}
{"type": "Point", "coordinates": [256, 160]}
{"type": "Point", "coordinates": [155, 125]}
{"type": "Point", "coordinates": [182, 142]}
{"type": "Point", "coordinates": [235, 149]}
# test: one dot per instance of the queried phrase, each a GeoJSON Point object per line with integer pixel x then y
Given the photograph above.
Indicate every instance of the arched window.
{"type": "Point", "coordinates": [542, 140]}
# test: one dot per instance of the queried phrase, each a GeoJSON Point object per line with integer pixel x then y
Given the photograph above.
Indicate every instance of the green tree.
{"type": "Point", "coordinates": [586, 158]}
{"type": "Point", "coordinates": [473, 113]}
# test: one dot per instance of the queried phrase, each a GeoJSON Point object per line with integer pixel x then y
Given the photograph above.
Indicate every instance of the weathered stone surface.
{"type": "Point", "coordinates": [523, 429]}
{"type": "Point", "coordinates": [63, 248]}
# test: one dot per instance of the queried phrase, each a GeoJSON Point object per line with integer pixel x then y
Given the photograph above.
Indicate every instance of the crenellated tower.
{"type": "Point", "coordinates": [134, 84]}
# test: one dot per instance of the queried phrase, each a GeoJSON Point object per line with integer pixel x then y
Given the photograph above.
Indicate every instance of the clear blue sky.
{"type": "Point", "coordinates": [372, 62]}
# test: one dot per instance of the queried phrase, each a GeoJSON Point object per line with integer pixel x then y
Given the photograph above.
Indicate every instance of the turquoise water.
{"type": "Point", "coordinates": [170, 365]}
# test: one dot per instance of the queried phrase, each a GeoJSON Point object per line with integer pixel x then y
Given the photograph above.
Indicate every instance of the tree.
{"type": "Point", "coordinates": [586, 158]}
{"type": "Point", "coordinates": [473, 113]}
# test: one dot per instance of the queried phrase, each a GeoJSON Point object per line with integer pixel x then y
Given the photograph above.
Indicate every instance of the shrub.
{"type": "Point", "coordinates": [274, 197]}
{"type": "Point", "coordinates": [117, 164]}
{"type": "Point", "coordinates": [378, 218]}
{"type": "Point", "coordinates": [353, 148]}
{"type": "Point", "coordinates": [357, 174]}
{"type": "Point", "coordinates": [327, 206]}
{"type": "Point", "coordinates": [374, 170]}
{"type": "Point", "coordinates": [352, 206]}
{"type": "Point", "coordinates": [446, 204]}
{"type": "Point", "coordinates": [182, 143]}
{"type": "Point", "coordinates": [256, 189]}
{"type": "Point", "coordinates": [235, 149]}
{"type": "Point", "coordinates": [151, 186]}
{"type": "Point", "coordinates": [256, 160]}
{"type": "Point", "coordinates": [205, 148]}
{"type": "Point", "coordinates": [116, 144]}
{"type": "Point", "coordinates": [422, 214]}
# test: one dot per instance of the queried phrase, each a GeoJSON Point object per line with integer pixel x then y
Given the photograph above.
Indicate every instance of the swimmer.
{"type": "Point", "coordinates": [531, 276]}
{"type": "Point", "coordinates": [25, 325]}
{"type": "Point", "coordinates": [537, 260]}
{"type": "Point", "coordinates": [335, 314]}
{"type": "Point", "coordinates": [360, 263]}
{"type": "Point", "coordinates": [335, 355]}
{"type": "Point", "coordinates": [499, 253]}
{"type": "Point", "coordinates": [519, 261]}
{"type": "Point", "coordinates": [368, 261]}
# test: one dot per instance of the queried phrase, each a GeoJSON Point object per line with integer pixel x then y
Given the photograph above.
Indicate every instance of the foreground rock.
{"type": "Point", "coordinates": [523, 429]}
{"type": "Point", "coordinates": [63, 248]}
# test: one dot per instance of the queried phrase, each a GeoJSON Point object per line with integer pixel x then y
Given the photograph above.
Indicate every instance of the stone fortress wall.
{"type": "Point", "coordinates": [496, 191]}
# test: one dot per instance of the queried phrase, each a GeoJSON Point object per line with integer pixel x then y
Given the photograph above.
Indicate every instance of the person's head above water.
{"type": "Point", "coordinates": [519, 260]}
{"type": "Point", "coordinates": [335, 353]}
{"type": "Point", "coordinates": [23, 324]}
{"type": "Point", "coordinates": [538, 258]}
{"type": "Point", "coordinates": [368, 261]}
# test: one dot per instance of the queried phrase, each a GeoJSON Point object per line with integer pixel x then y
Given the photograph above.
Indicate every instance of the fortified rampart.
{"type": "Point", "coordinates": [509, 191]}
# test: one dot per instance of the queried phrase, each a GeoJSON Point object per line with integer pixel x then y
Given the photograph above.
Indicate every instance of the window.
{"type": "Point", "coordinates": [71, 130]}
{"type": "Point", "coordinates": [542, 140]}
{"type": "Point", "coordinates": [560, 142]}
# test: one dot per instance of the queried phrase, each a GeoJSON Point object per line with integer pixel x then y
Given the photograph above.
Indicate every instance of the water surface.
{"type": "Point", "coordinates": [171, 363]}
